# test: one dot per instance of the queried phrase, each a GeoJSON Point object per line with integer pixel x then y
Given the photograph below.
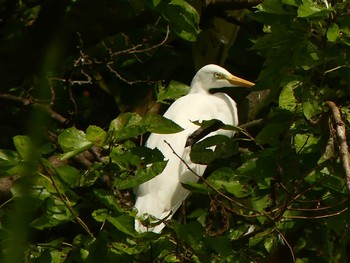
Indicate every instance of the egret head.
{"type": "Point", "coordinates": [213, 76]}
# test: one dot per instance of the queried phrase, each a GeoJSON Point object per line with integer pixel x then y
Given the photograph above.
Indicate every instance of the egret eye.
{"type": "Point", "coordinates": [217, 75]}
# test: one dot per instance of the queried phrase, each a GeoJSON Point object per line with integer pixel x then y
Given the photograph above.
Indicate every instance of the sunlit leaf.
{"type": "Point", "coordinates": [129, 125]}
{"type": "Point", "coordinates": [311, 8]}
{"type": "Point", "coordinates": [306, 143]}
{"type": "Point", "coordinates": [333, 32]}
{"type": "Point", "coordinates": [96, 135]}
{"type": "Point", "coordinates": [173, 91]}
{"type": "Point", "coordinates": [158, 124]}
{"type": "Point", "coordinates": [287, 98]}
{"type": "Point", "coordinates": [73, 142]}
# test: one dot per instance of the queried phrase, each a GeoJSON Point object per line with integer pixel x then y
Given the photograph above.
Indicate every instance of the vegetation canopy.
{"type": "Point", "coordinates": [83, 83]}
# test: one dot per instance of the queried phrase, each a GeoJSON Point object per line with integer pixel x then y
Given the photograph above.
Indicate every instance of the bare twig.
{"type": "Point", "coordinates": [341, 138]}
{"type": "Point", "coordinates": [286, 242]}
{"type": "Point", "coordinates": [138, 49]}
{"type": "Point", "coordinates": [135, 49]}
{"type": "Point", "coordinates": [31, 102]}
{"type": "Point", "coordinates": [318, 217]}
{"type": "Point", "coordinates": [317, 209]}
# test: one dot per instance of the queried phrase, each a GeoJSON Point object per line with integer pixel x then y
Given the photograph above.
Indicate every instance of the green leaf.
{"type": "Point", "coordinates": [69, 174]}
{"type": "Point", "coordinates": [156, 2]}
{"type": "Point", "coordinates": [96, 135]}
{"type": "Point", "coordinates": [126, 125]}
{"type": "Point", "coordinates": [159, 124]}
{"type": "Point", "coordinates": [333, 32]}
{"type": "Point", "coordinates": [56, 213]}
{"type": "Point", "coordinates": [272, 7]}
{"type": "Point", "coordinates": [123, 223]}
{"type": "Point", "coordinates": [330, 181]}
{"type": "Point", "coordinates": [287, 98]}
{"type": "Point", "coordinates": [206, 128]}
{"type": "Point", "coordinates": [109, 200]}
{"type": "Point", "coordinates": [220, 244]}
{"type": "Point", "coordinates": [130, 247]}
{"type": "Point", "coordinates": [8, 159]}
{"type": "Point", "coordinates": [73, 142]}
{"type": "Point", "coordinates": [271, 134]}
{"type": "Point", "coordinates": [25, 147]}
{"type": "Point", "coordinates": [174, 91]}
{"type": "Point", "coordinates": [311, 109]}
{"type": "Point", "coordinates": [291, 2]}
{"type": "Point", "coordinates": [191, 233]}
{"type": "Point", "coordinates": [311, 8]}
{"type": "Point", "coordinates": [137, 157]}
{"type": "Point", "coordinates": [141, 175]}
{"type": "Point", "coordinates": [270, 243]}
{"type": "Point", "coordinates": [211, 148]}
{"type": "Point", "coordinates": [197, 187]}
{"type": "Point", "coordinates": [306, 143]}
{"type": "Point", "coordinates": [47, 148]}
{"type": "Point", "coordinates": [224, 178]}
{"type": "Point", "coordinates": [260, 203]}
{"type": "Point", "coordinates": [183, 18]}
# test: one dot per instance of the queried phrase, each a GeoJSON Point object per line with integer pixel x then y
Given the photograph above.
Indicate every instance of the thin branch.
{"type": "Point", "coordinates": [257, 213]}
{"type": "Point", "coordinates": [66, 202]}
{"type": "Point", "coordinates": [23, 101]}
{"type": "Point", "coordinates": [137, 48]}
{"type": "Point", "coordinates": [133, 50]}
{"type": "Point", "coordinates": [318, 217]}
{"type": "Point", "coordinates": [252, 123]}
{"type": "Point", "coordinates": [30, 102]}
{"type": "Point", "coordinates": [286, 242]}
{"type": "Point", "coordinates": [317, 208]}
{"type": "Point", "coordinates": [341, 138]}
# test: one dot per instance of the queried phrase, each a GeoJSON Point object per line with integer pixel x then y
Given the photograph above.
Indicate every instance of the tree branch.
{"type": "Point", "coordinates": [30, 102]}
{"type": "Point", "coordinates": [341, 138]}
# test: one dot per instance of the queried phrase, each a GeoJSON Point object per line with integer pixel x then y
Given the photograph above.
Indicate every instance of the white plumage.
{"type": "Point", "coordinates": [161, 196]}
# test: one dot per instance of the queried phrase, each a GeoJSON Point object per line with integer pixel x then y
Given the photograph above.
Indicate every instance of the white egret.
{"type": "Point", "coordinates": [160, 197]}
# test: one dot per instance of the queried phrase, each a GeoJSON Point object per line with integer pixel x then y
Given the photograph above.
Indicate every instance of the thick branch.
{"type": "Point", "coordinates": [341, 138]}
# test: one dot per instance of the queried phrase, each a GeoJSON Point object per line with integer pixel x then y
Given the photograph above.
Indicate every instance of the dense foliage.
{"type": "Point", "coordinates": [83, 82]}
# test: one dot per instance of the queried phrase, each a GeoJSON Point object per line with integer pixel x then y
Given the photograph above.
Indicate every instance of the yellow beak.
{"type": "Point", "coordinates": [239, 82]}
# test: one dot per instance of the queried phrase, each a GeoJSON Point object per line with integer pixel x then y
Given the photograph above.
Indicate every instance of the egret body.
{"type": "Point", "coordinates": [160, 197]}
